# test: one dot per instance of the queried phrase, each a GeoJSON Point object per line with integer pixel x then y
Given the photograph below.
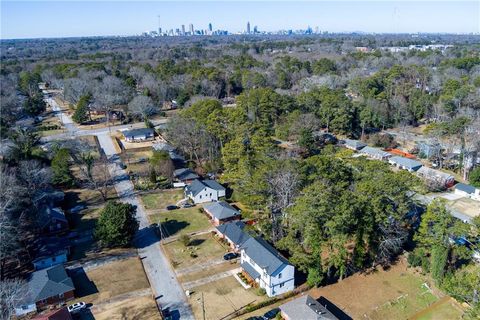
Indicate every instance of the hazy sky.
{"type": "Point", "coordinates": [34, 19]}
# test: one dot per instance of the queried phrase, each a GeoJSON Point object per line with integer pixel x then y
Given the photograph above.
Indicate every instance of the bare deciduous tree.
{"type": "Point", "coordinates": [95, 174]}
{"type": "Point", "coordinates": [12, 291]}
{"type": "Point", "coordinates": [142, 106]}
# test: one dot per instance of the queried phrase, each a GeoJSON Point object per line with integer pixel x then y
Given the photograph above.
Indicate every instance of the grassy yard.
{"type": "Point", "coordinates": [209, 271]}
{"type": "Point", "coordinates": [202, 248]}
{"type": "Point", "coordinates": [134, 308]}
{"type": "Point", "coordinates": [404, 293]}
{"type": "Point", "coordinates": [110, 280]}
{"type": "Point", "coordinates": [163, 198]}
{"type": "Point", "coordinates": [221, 298]}
{"type": "Point", "coordinates": [447, 309]}
{"type": "Point", "coordinates": [181, 221]}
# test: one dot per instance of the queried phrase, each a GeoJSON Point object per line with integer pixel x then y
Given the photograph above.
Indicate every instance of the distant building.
{"type": "Point", "coordinates": [306, 308]}
{"type": "Point", "coordinates": [204, 191]}
{"type": "Point", "coordinates": [428, 150]}
{"type": "Point", "coordinates": [221, 212]}
{"type": "Point", "coordinates": [405, 163]}
{"type": "Point", "coordinates": [192, 31]}
{"type": "Point", "coordinates": [354, 144]}
{"type": "Point", "coordinates": [138, 135]}
{"type": "Point", "coordinates": [210, 28]}
{"type": "Point", "coordinates": [46, 287]}
{"type": "Point", "coordinates": [248, 27]}
{"type": "Point", "coordinates": [267, 267]}
{"type": "Point", "coordinates": [437, 177]}
{"type": "Point", "coordinates": [468, 191]}
{"type": "Point", "coordinates": [375, 153]}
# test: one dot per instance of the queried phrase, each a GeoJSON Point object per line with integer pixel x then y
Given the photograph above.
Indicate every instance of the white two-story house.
{"type": "Point", "coordinates": [267, 267]}
{"type": "Point", "coordinates": [201, 191]}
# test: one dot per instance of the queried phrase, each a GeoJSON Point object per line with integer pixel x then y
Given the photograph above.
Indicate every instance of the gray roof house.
{"type": "Point", "coordinates": [443, 179]}
{"type": "Point", "coordinates": [467, 190]}
{"type": "Point", "coordinates": [163, 146]}
{"type": "Point", "coordinates": [221, 212]}
{"type": "Point", "coordinates": [52, 220]}
{"type": "Point", "coordinates": [233, 233]}
{"type": "Point", "coordinates": [266, 266]}
{"type": "Point", "coordinates": [138, 134]}
{"type": "Point", "coordinates": [405, 163]}
{"type": "Point", "coordinates": [354, 144]}
{"type": "Point", "coordinates": [204, 191]}
{"type": "Point", "coordinates": [185, 174]}
{"type": "Point", "coordinates": [50, 251]}
{"type": "Point", "coordinates": [375, 153]}
{"type": "Point", "coordinates": [305, 308]}
{"type": "Point", "coordinates": [46, 287]}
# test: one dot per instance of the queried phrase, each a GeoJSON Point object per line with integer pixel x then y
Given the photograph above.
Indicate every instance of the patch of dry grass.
{"type": "Point", "coordinates": [134, 308]}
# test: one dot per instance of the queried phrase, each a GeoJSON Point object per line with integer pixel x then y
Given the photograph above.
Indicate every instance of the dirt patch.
{"type": "Point", "coordinates": [468, 206]}
{"type": "Point", "coordinates": [134, 308]}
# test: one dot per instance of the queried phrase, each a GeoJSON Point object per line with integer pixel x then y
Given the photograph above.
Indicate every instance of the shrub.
{"type": "Point", "coordinates": [185, 240]}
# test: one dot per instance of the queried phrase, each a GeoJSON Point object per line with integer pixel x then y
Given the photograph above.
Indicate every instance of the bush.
{"type": "Point", "coordinates": [261, 292]}
{"type": "Point", "coordinates": [382, 140]}
{"type": "Point", "coordinates": [185, 240]}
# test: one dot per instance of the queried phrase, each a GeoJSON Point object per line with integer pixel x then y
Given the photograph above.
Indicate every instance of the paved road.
{"type": "Point", "coordinates": [162, 278]}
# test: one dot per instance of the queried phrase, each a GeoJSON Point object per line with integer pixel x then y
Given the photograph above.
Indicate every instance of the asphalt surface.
{"type": "Point", "coordinates": [168, 291]}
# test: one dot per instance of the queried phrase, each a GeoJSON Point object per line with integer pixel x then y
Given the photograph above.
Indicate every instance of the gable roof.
{"type": "Point", "coordinates": [375, 152]}
{"type": "Point", "coordinates": [197, 186]}
{"type": "Point", "coordinates": [306, 308]}
{"type": "Point", "coordinates": [264, 255]}
{"type": "Point", "coordinates": [221, 210]}
{"type": "Point", "coordinates": [356, 144]}
{"type": "Point", "coordinates": [434, 174]}
{"type": "Point", "coordinates": [185, 174]}
{"type": "Point", "coordinates": [48, 214]}
{"type": "Point", "coordinates": [49, 246]}
{"type": "Point", "coordinates": [465, 188]}
{"type": "Point", "coordinates": [405, 162]}
{"type": "Point", "coordinates": [47, 283]}
{"type": "Point", "coordinates": [234, 232]}
{"type": "Point", "coordinates": [138, 132]}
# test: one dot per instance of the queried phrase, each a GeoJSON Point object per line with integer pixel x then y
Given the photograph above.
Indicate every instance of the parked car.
{"type": "Point", "coordinates": [255, 318]}
{"type": "Point", "coordinates": [172, 207]}
{"type": "Point", "coordinates": [271, 314]}
{"type": "Point", "coordinates": [187, 205]}
{"type": "Point", "coordinates": [76, 307]}
{"type": "Point", "coordinates": [230, 256]}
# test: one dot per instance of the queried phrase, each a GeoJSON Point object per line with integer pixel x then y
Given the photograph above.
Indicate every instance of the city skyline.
{"type": "Point", "coordinates": [27, 19]}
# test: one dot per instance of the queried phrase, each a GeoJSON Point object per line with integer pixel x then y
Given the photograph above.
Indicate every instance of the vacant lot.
{"type": "Point", "coordinates": [221, 298]}
{"type": "Point", "coordinates": [467, 206]}
{"type": "Point", "coordinates": [202, 248]}
{"type": "Point", "coordinates": [110, 280]}
{"type": "Point", "coordinates": [133, 308]}
{"type": "Point", "coordinates": [398, 293]}
{"type": "Point", "coordinates": [160, 200]}
{"type": "Point", "coordinates": [181, 221]}
{"type": "Point", "coordinates": [444, 309]}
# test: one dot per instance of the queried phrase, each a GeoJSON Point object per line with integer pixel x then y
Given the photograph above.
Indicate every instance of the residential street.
{"type": "Point", "coordinates": [168, 291]}
{"type": "Point", "coordinates": [162, 278]}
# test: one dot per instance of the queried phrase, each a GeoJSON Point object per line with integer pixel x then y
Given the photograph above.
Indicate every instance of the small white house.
{"type": "Point", "coordinates": [137, 135]}
{"type": "Point", "coordinates": [267, 267]}
{"type": "Point", "coordinates": [468, 191]}
{"type": "Point", "coordinates": [201, 191]}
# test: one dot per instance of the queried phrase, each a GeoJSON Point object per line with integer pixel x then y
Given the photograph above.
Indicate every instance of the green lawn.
{"type": "Point", "coordinates": [161, 199]}
{"type": "Point", "coordinates": [182, 221]}
{"type": "Point", "coordinates": [202, 248]}
{"type": "Point", "coordinates": [444, 311]}
{"type": "Point", "coordinates": [416, 298]}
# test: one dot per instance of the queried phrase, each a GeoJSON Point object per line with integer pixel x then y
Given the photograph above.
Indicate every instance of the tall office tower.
{"type": "Point", "coordinates": [255, 29]}
{"type": "Point", "coordinates": [160, 31]}
{"type": "Point", "coordinates": [192, 31]}
{"type": "Point", "coordinates": [248, 27]}
{"type": "Point", "coordinates": [183, 29]}
{"type": "Point", "coordinates": [210, 28]}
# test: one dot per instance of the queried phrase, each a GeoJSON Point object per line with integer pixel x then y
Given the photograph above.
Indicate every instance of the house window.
{"type": "Point", "coordinates": [200, 197]}
{"type": "Point", "coordinates": [210, 194]}
{"type": "Point", "coordinates": [60, 295]}
{"type": "Point", "coordinates": [282, 284]}
{"type": "Point", "coordinates": [24, 307]}
{"type": "Point", "coordinates": [280, 275]}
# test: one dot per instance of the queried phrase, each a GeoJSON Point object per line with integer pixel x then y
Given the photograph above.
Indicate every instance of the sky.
{"type": "Point", "coordinates": [45, 19]}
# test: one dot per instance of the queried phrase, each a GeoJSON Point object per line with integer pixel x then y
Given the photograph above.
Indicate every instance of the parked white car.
{"type": "Point", "coordinates": [76, 307]}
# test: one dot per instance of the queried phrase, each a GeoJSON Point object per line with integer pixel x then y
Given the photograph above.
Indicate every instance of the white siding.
{"type": "Point", "coordinates": [22, 310]}
{"type": "Point", "coordinates": [48, 262]}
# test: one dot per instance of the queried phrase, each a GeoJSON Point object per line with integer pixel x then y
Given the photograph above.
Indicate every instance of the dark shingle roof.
{"type": "Point", "coordinates": [306, 308]}
{"type": "Point", "coordinates": [250, 270]}
{"type": "Point", "coordinates": [138, 132]}
{"type": "Point", "coordinates": [49, 213]}
{"type": "Point", "coordinates": [221, 210]}
{"type": "Point", "coordinates": [263, 254]}
{"type": "Point", "coordinates": [185, 174]}
{"type": "Point", "coordinates": [234, 232]}
{"type": "Point", "coordinates": [197, 186]}
{"type": "Point", "coordinates": [47, 283]}
{"type": "Point", "coordinates": [465, 188]}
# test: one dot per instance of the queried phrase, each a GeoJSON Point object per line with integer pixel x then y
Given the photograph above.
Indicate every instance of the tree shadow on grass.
{"type": "Point", "coordinates": [172, 227]}
{"type": "Point", "coordinates": [196, 242]}
{"type": "Point", "coordinates": [83, 285]}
